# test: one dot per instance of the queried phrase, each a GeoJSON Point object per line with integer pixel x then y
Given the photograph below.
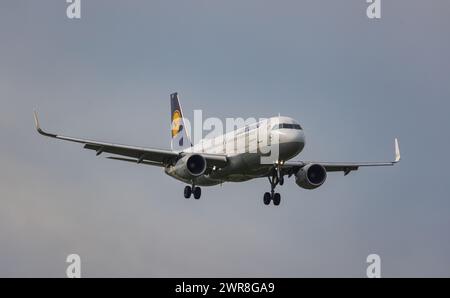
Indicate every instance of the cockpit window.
{"type": "Point", "coordinates": [287, 126]}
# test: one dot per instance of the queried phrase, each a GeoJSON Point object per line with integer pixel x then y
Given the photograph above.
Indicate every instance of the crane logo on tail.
{"type": "Point", "coordinates": [176, 123]}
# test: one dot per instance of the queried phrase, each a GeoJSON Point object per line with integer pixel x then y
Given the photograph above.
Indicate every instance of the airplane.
{"type": "Point", "coordinates": [199, 165]}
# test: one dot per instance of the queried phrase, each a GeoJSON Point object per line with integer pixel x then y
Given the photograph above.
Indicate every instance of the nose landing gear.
{"type": "Point", "coordinates": [275, 178]}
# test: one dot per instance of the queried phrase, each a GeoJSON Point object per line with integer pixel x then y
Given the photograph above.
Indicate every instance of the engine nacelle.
{"type": "Point", "coordinates": [190, 166]}
{"type": "Point", "coordinates": [311, 176]}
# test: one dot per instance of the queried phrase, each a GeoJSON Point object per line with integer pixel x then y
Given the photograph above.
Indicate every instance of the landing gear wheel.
{"type": "Point", "coordinates": [276, 199]}
{"type": "Point", "coordinates": [187, 192]}
{"type": "Point", "coordinates": [275, 178]}
{"type": "Point", "coordinates": [267, 198]}
{"type": "Point", "coordinates": [197, 192]}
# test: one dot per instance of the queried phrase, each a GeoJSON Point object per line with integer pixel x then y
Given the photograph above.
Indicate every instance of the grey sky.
{"type": "Point", "coordinates": [354, 84]}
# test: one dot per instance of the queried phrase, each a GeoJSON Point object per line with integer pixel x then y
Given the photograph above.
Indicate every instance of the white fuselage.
{"type": "Point", "coordinates": [246, 148]}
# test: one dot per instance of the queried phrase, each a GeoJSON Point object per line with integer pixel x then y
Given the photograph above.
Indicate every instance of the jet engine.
{"type": "Point", "coordinates": [190, 166]}
{"type": "Point", "coordinates": [311, 176]}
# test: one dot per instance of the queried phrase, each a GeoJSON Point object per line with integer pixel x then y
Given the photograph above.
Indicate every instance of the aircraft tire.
{"type": "Point", "coordinates": [276, 199]}
{"type": "Point", "coordinates": [197, 192]}
{"type": "Point", "coordinates": [267, 198]}
{"type": "Point", "coordinates": [187, 192]}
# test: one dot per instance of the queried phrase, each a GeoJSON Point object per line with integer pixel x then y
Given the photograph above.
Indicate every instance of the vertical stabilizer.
{"type": "Point", "coordinates": [179, 133]}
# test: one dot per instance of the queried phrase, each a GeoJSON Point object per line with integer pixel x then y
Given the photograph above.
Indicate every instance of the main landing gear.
{"type": "Point", "coordinates": [195, 190]}
{"type": "Point", "coordinates": [275, 178]}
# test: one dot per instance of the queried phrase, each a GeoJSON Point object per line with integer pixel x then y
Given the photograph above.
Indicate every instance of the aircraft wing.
{"type": "Point", "coordinates": [149, 156]}
{"type": "Point", "coordinates": [346, 167]}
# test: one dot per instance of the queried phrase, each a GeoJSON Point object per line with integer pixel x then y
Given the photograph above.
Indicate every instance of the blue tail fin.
{"type": "Point", "coordinates": [179, 133]}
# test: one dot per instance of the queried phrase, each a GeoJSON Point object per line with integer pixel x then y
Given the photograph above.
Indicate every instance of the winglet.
{"type": "Point", "coordinates": [38, 127]}
{"type": "Point", "coordinates": [397, 151]}
{"type": "Point", "coordinates": [36, 121]}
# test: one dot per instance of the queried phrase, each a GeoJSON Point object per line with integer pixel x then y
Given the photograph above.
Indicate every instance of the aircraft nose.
{"type": "Point", "coordinates": [292, 136]}
{"type": "Point", "coordinates": [291, 143]}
